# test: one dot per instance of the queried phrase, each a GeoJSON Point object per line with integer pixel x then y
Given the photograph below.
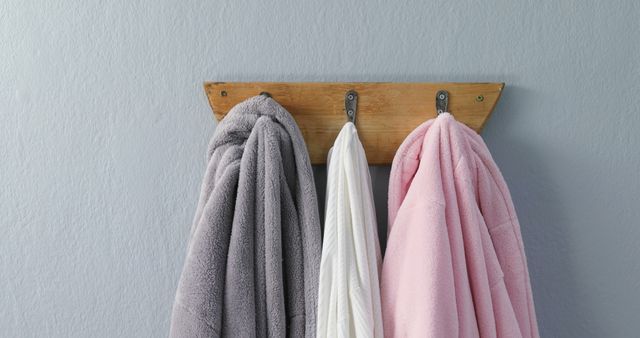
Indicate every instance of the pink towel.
{"type": "Point", "coordinates": [455, 264]}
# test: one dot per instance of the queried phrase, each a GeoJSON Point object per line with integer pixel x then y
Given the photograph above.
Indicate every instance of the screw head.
{"type": "Point", "coordinates": [350, 97]}
{"type": "Point", "coordinates": [479, 98]}
{"type": "Point", "coordinates": [441, 97]}
{"type": "Point", "coordinates": [223, 93]}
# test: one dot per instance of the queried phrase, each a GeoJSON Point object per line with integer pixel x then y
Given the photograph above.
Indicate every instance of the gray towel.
{"type": "Point", "coordinates": [254, 253]}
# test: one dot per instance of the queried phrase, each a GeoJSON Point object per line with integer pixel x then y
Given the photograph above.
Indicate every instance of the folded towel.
{"type": "Point", "coordinates": [349, 292]}
{"type": "Point", "coordinates": [253, 257]}
{"type": "Point", "coordinates": [455, 264]}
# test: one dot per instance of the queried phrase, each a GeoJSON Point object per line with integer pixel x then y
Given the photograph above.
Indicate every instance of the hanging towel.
{"type": "Point", "coordinates": [455, 264]}
{"type": "Point", "coordinates": [253, 258]}
{"type": "Point", "coordinates": [349, 292]}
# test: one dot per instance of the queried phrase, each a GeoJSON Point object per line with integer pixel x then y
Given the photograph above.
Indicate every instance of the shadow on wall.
{"type": "Point", "coordinates": [559, 301]}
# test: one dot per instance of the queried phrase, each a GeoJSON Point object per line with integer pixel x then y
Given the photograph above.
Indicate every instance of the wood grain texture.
{"type": "Point", "coordinates": [387, 112]}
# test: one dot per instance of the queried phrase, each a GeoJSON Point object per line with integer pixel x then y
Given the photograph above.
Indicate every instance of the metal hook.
{"type": "Point", "coordinates": [265, 94]}
{"type": "Point", "coordinates": [442, 101]}
{"type": "Point", "coordinates": [351, 105]}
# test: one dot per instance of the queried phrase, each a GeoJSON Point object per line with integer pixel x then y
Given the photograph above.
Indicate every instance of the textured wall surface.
{"type": "Point", "coordinates": [104, 126]}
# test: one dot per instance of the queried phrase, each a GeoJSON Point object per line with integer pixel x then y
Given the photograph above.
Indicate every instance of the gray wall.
{"type": "Point", "coordinates": [104, 126]}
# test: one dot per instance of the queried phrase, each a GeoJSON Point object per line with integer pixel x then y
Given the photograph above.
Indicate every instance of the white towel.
{"type": "Point", "coordinates": [349, 293]}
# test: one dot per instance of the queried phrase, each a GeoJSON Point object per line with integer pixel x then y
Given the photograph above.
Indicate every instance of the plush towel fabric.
{"type": "Point", "coordinates": [455, 264]}
{"type": "Point", "coordinates": [349, 296]}
{"type": "Point", "coordinates": [254, 254]}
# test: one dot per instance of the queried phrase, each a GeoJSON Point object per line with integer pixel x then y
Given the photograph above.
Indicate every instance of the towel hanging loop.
{"type": "Point", "coordinates": [351, 105]}
{"type": "Point", "coordinates": [442, 101]}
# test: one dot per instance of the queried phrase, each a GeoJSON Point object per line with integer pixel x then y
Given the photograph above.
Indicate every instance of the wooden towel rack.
{"type": "Point", "coordinates": [386, 113]}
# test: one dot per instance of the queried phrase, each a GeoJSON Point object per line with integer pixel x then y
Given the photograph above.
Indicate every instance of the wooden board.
{"type": "Point", "coordinates": [387, 112]}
